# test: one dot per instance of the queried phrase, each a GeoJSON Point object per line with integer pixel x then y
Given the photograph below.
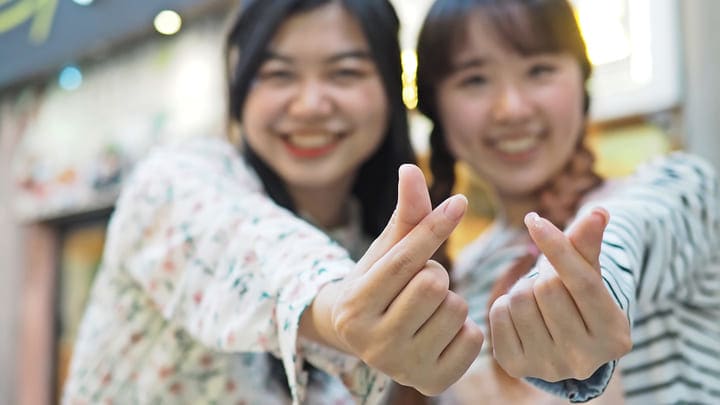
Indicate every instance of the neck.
{"type": "Point", "coordinates": [514, 208]}
{"type": "Point", "coordinates": [326, 207]}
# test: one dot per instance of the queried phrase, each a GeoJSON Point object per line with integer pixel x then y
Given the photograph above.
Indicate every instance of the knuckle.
{"type": "Point", "coordinates": [476, 338]}
{"type": "Point", "coordinates": [436, 385]}
{"type": "Point", "coordinates": [512, 369]}
{"type": "Point", "coordinates": [577, 365]}
{"type": "Point", "coordinates": [585, 286]}
{"type": "Point", "coordinates": [435, 388]}
{"type": "Point", "coordinates": [457, 305]}
{"type": "Point", "coordinates": [401, 261]}
{"type": "Point", "coordinates": [512, 365]}
{"type": "Point", "coordinates": [584, 371]}
{"type": "Point", "coordinates": [549, 289]}
{"type": "Point", "coordinates": [471, 338]}
{"type": "Point", "coordinates": [432, 282]}
{"type": "Point", "coordinates": [498, 308]}
{"type": "Point", "coordinates": [554, 370]}
{"type": "Point", "coordinates": [622, 345]}
{"type": "Point", "coordinates": [438, 230]}
{"type": "Point", "coordinates": [626, 345]}
{"type": "Point", "coordinates": [520, 298]}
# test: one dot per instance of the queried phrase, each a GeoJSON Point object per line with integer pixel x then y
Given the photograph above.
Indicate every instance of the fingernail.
{"type": "Point", "coordinates": [533, 220]}
{"type": "Point", "coordinates": [455, 207]}
{"type": "Point", "coordinates": [403, 167]}
{"type": "Point", "coordinates": [602, 214]}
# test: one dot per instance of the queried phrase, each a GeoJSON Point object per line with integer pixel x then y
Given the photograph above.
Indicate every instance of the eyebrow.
{"type": "Point", "coordinates": [352, 54]}
{"type": "Point", "coordinates": [355, 54]}
{"type": "Point", "coordinates": [471, 63]}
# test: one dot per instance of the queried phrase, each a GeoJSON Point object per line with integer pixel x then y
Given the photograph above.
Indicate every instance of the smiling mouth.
{"type": "Point", "coordinates": [311, 141]}
{"type": "Point", "coordinates": [513, 146]}
{"type": "Point", "coordinates": [311, 145]}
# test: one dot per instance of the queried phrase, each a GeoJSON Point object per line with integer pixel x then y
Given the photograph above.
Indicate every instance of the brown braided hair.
{"type": "Point", "coordinates": [530, 27]}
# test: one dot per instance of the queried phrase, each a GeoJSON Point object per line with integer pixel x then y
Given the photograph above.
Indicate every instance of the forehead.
{"type": "Point", "coordinates": [478, 38]}
{"type": "Point", "coordinates": [510, 29]}
{"type": "Point", "coordinates": [323, 30]}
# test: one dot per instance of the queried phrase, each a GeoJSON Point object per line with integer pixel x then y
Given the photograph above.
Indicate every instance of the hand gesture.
{"type": "Point", "coordinates": [396, 311]}
{"type": "Point", "coordinates": [563, 323]}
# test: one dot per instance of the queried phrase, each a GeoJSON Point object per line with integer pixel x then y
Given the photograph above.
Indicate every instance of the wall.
{"type": "Point", "coordinates": [10, 273]}
{"type": "Point", "coordinates": [702, 57]}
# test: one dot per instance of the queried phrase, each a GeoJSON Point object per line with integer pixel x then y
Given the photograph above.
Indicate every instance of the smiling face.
{"type": "Point", "coordinates": [317, 109]}
{"type": "Point", "coordinates": [515, 119]}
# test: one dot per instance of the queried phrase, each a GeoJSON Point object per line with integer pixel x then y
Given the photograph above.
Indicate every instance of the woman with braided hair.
{"type": "Point", "coordinates": [504, 83]}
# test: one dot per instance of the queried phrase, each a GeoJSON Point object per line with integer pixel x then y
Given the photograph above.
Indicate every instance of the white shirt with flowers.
{"type": "Point", "coordinates": [202, 276]}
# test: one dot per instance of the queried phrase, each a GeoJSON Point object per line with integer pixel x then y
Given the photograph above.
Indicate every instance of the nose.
{"type": "Point", "coordinates": [311, 100]}
{"type": "Point", "coordinates": [512, 104]}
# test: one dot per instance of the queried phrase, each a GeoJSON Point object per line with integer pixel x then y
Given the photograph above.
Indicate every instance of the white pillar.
{"type": "Point", "coordinates": [701, 32]}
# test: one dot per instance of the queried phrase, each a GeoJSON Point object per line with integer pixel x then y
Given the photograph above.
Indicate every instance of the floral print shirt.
{"type": "Point", "coordinates": [202, 277]}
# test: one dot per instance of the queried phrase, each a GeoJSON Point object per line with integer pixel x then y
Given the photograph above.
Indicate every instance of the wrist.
{"type": "Point", "coordinates": [316, 321]}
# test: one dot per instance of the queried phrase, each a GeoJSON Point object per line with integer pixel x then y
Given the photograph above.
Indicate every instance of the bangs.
{"type": "Point", "coordinates": [444, 32]}
{"type": "Point", "coordinates": [534, 27]}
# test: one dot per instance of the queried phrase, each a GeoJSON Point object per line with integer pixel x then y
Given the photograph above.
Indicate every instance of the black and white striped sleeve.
{"type": "Point", "coordinates": [663, 239]}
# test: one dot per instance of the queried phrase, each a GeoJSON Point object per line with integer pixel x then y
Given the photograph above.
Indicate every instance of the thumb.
{"type": "Point", "coordinates": [587, 234]}
{"type": "Point", "coordinates": [413, 201]}
{"type": "Point", "coordinates": [413, 206]}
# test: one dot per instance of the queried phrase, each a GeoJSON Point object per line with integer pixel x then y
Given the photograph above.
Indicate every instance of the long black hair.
{"type": "Point", "coordinates": [376, 184]}
{"type": "Point", "coordinates": [528, 26]}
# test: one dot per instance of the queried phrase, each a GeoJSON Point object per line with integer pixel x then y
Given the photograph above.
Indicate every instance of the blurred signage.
{"type": "Point", "coordinates": [37, 37]}
{"type": "Point", "coordinates": [40, 14]}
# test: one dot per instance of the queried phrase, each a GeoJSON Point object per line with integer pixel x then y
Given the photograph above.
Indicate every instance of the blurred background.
{"type": "Point", "coordinates": [87, 87]}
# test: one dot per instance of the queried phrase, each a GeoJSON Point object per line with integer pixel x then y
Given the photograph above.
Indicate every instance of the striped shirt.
{"type": "Point", "coordinates": [660, 260]}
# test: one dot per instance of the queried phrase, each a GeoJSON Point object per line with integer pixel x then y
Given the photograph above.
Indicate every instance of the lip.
{"type": "Point", "coordinates": [310, 152]}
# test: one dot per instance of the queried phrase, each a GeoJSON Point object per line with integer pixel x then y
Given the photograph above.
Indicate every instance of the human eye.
{"type": "Point", "coordinates": [347, 73]}
{"type": "Point", "coordinates": [472, 80]}
{"type": "Point", "coordinates": [541, 69]}
{"type": "Point", "coordinates": [275, 74]}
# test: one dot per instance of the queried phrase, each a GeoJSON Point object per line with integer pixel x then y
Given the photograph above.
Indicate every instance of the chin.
{"type": "Point", "coordinates": [312, 181]}
{"type": "Point", "coordinates": [519, 188]}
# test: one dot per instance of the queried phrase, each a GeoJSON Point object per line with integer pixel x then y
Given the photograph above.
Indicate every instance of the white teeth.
{"type": "Point", "coordinates": [311, 141]}
{"type": "Point", "coordinates": [518, 145]}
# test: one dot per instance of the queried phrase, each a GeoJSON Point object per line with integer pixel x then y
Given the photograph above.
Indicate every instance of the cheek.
{"type": "Point", "coordinates": [260, 111]}
{"type": "Point", "coordinates": [566, 108]}
{"type": "Point", "coordinates": [368, 108]}
{"type": "Point", "coordinates": [463, 124]}
{"type": "Point", "coordinates": [254, 112]}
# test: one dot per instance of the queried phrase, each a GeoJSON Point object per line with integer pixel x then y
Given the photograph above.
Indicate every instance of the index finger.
{"type": "Point", "coordinates": [391, 273]}
{"type": "Point", "coordinates": [580, 278]}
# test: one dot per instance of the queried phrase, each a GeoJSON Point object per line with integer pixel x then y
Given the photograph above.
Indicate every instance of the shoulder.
{"type": "Point", "coordinates": [677, 165]}
{"type": "Point", "coordinates": [663, 176]}
{"type": "Point", "coordinates": [199, 160]}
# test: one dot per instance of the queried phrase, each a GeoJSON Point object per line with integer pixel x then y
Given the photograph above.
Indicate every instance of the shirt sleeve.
{"type": "Point", "coordinates": [661, 243]}
{"type": "Point", "coordinates": [216, 256]}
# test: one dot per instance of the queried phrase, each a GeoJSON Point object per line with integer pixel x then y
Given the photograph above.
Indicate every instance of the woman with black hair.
{"type": "Point", "coordinates": [504, 82]}
{"type": "Point", "coordinates": [228, 275]}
